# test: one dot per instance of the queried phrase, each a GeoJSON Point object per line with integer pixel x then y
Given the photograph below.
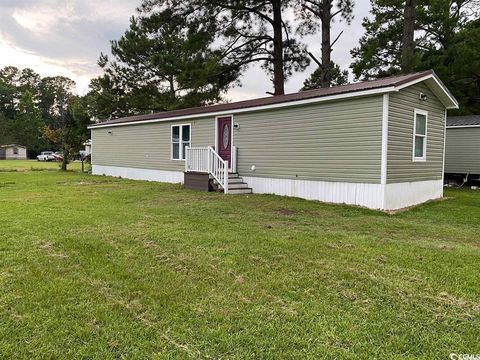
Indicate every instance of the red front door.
{"type": "Point", "coordinates": [224, 138]}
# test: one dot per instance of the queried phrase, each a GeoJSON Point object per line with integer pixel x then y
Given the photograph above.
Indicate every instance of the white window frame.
{"type": "Point", "coordinates": [180, 138]}
{"type": "Point", "coordinates": [425, 137]}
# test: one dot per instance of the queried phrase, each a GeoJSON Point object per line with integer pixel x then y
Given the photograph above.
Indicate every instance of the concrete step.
{"type": "Point", "coordinates": [237, 186]}
{"type": "Point", "coordinates": [239, 191]}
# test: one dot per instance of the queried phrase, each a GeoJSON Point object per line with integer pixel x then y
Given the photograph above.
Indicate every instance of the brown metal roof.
{"type": "Point", "coordinates": [271, 100]}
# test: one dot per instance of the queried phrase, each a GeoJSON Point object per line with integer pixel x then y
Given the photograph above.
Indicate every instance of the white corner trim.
{"type": "Point", "coordinates": [444, 144]}
{"type": "Point", "coordinates": [256, 108]}
{"type": "Point", "coordinates": [383, 177]}
{"type": "Point", "coordinates": [139, 174]}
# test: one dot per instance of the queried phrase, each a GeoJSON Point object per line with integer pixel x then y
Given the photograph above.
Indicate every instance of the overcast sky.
{"type": "Point", "coordinates": [65, 37]}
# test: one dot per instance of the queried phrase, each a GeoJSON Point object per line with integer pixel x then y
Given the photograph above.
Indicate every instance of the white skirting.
{"type": "Point", "coordinates": [401, 195]}
{"type": "Point", "coordinates": [373, 196]}
{"type": "Point", "coordinates": [139, 174]}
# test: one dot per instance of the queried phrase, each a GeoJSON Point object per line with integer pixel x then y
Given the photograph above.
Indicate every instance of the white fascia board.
{"type": "Point", "coordinates": [256, 108]}
{"type": "Point", "coordinates": [438, 82]}
{"type": "Point", "coordinates": [463, 126]}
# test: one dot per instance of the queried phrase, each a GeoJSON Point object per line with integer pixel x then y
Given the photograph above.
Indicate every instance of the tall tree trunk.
{"type": "Point", "coordinates": [278, 71]}
{"type": "Point", "coordinates": [326, 18]}
{"type": "Point", "coordinates": [408, 46]}
{"type": "Point", "coordinates": [64, 160]}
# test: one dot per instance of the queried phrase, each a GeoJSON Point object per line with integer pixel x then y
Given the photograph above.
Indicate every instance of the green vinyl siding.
{"type": "Point", "coordinates": [400, 164]}
{"type": "Point", "coordinates": [462, 153]}
{"type": "Point", "coordinates": [146, 146]}
{"type": "Point", "coordinates": [337, 141]}
{"type": "Point", "coordinates": [328, 141]}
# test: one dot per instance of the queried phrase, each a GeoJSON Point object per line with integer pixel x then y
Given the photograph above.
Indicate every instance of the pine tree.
{"type": "Point", "coordinates": [165, 61]}
{"type": "Point", "coordinates": [318, 15]}
{"type": "Point", "coordinates": [256, 31]}
{"type": "Point", "coordinates": [316, 79]}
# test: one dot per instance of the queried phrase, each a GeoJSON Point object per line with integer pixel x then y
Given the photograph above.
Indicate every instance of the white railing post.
{"type": "Point", "coordinates": [225, 177]}
{"type": "Point", "coordinates": [234, 159]}
{"type": "Point", "coordinates": [209, 157]}
{"type": "Point", "coordinates": [187, 158]}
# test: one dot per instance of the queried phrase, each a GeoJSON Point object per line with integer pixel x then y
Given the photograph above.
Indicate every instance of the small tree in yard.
{"type": "Point", "coordinates": [70, 131]}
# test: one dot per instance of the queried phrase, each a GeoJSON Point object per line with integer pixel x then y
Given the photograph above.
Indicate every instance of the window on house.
{"type": "Point", "coordinates": [15, 151]}
{"type": "Point", "coordinates": [180, 140]}
{"type": "Point", "coordinates": [420, 136]}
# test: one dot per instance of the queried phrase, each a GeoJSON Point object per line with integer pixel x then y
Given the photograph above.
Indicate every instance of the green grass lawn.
{"type": "Point", "coordinates": [34, 165]}
{"type": "Point", "coordinates": [97, 267]}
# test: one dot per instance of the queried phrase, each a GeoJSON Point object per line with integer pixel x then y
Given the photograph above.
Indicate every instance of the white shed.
{"type": "Point", "coordinates": [13, 152]}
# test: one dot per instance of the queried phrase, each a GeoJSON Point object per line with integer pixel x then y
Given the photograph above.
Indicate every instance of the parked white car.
{"type": "Point", "coordinates": [46, 156]}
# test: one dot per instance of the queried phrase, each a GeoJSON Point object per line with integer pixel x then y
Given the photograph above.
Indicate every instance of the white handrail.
{"type": "Point", "coordinates": [205, 159]}
{"type": "Point", "coordinates": [219, 169]}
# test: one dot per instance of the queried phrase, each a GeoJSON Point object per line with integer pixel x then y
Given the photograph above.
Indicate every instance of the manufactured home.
{"type": "Point", "coordinates": [462, 152]}
{"type": "Point", "coordinates": [13, 152]}
{"type": "Point", "coordinates": [378, 144]}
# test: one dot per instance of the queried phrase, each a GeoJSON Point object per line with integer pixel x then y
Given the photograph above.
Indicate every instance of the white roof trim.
{"type": "Point", "coordinates": [256, 108]}
{"type": "Point", "coordinates": [383, 90]}
{"type": "Point", "coordinates": [462, 126]}
{"type": "Point", "coordinates": [438, 82]}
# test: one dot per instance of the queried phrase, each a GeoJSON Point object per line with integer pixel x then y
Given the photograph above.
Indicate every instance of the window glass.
{"type": "Point", "coordinates": [421, 124]}
{"type": "Point", "coordinates": [186, 133]}
{"type": "Point", "coordinates": [419, 146]}
{"type": "Point", "coordinates": [226, 136]}
{"type": "Point", "coordinates": [175, 133]}
{"type": "Point", "coordinates": [176, 150]}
